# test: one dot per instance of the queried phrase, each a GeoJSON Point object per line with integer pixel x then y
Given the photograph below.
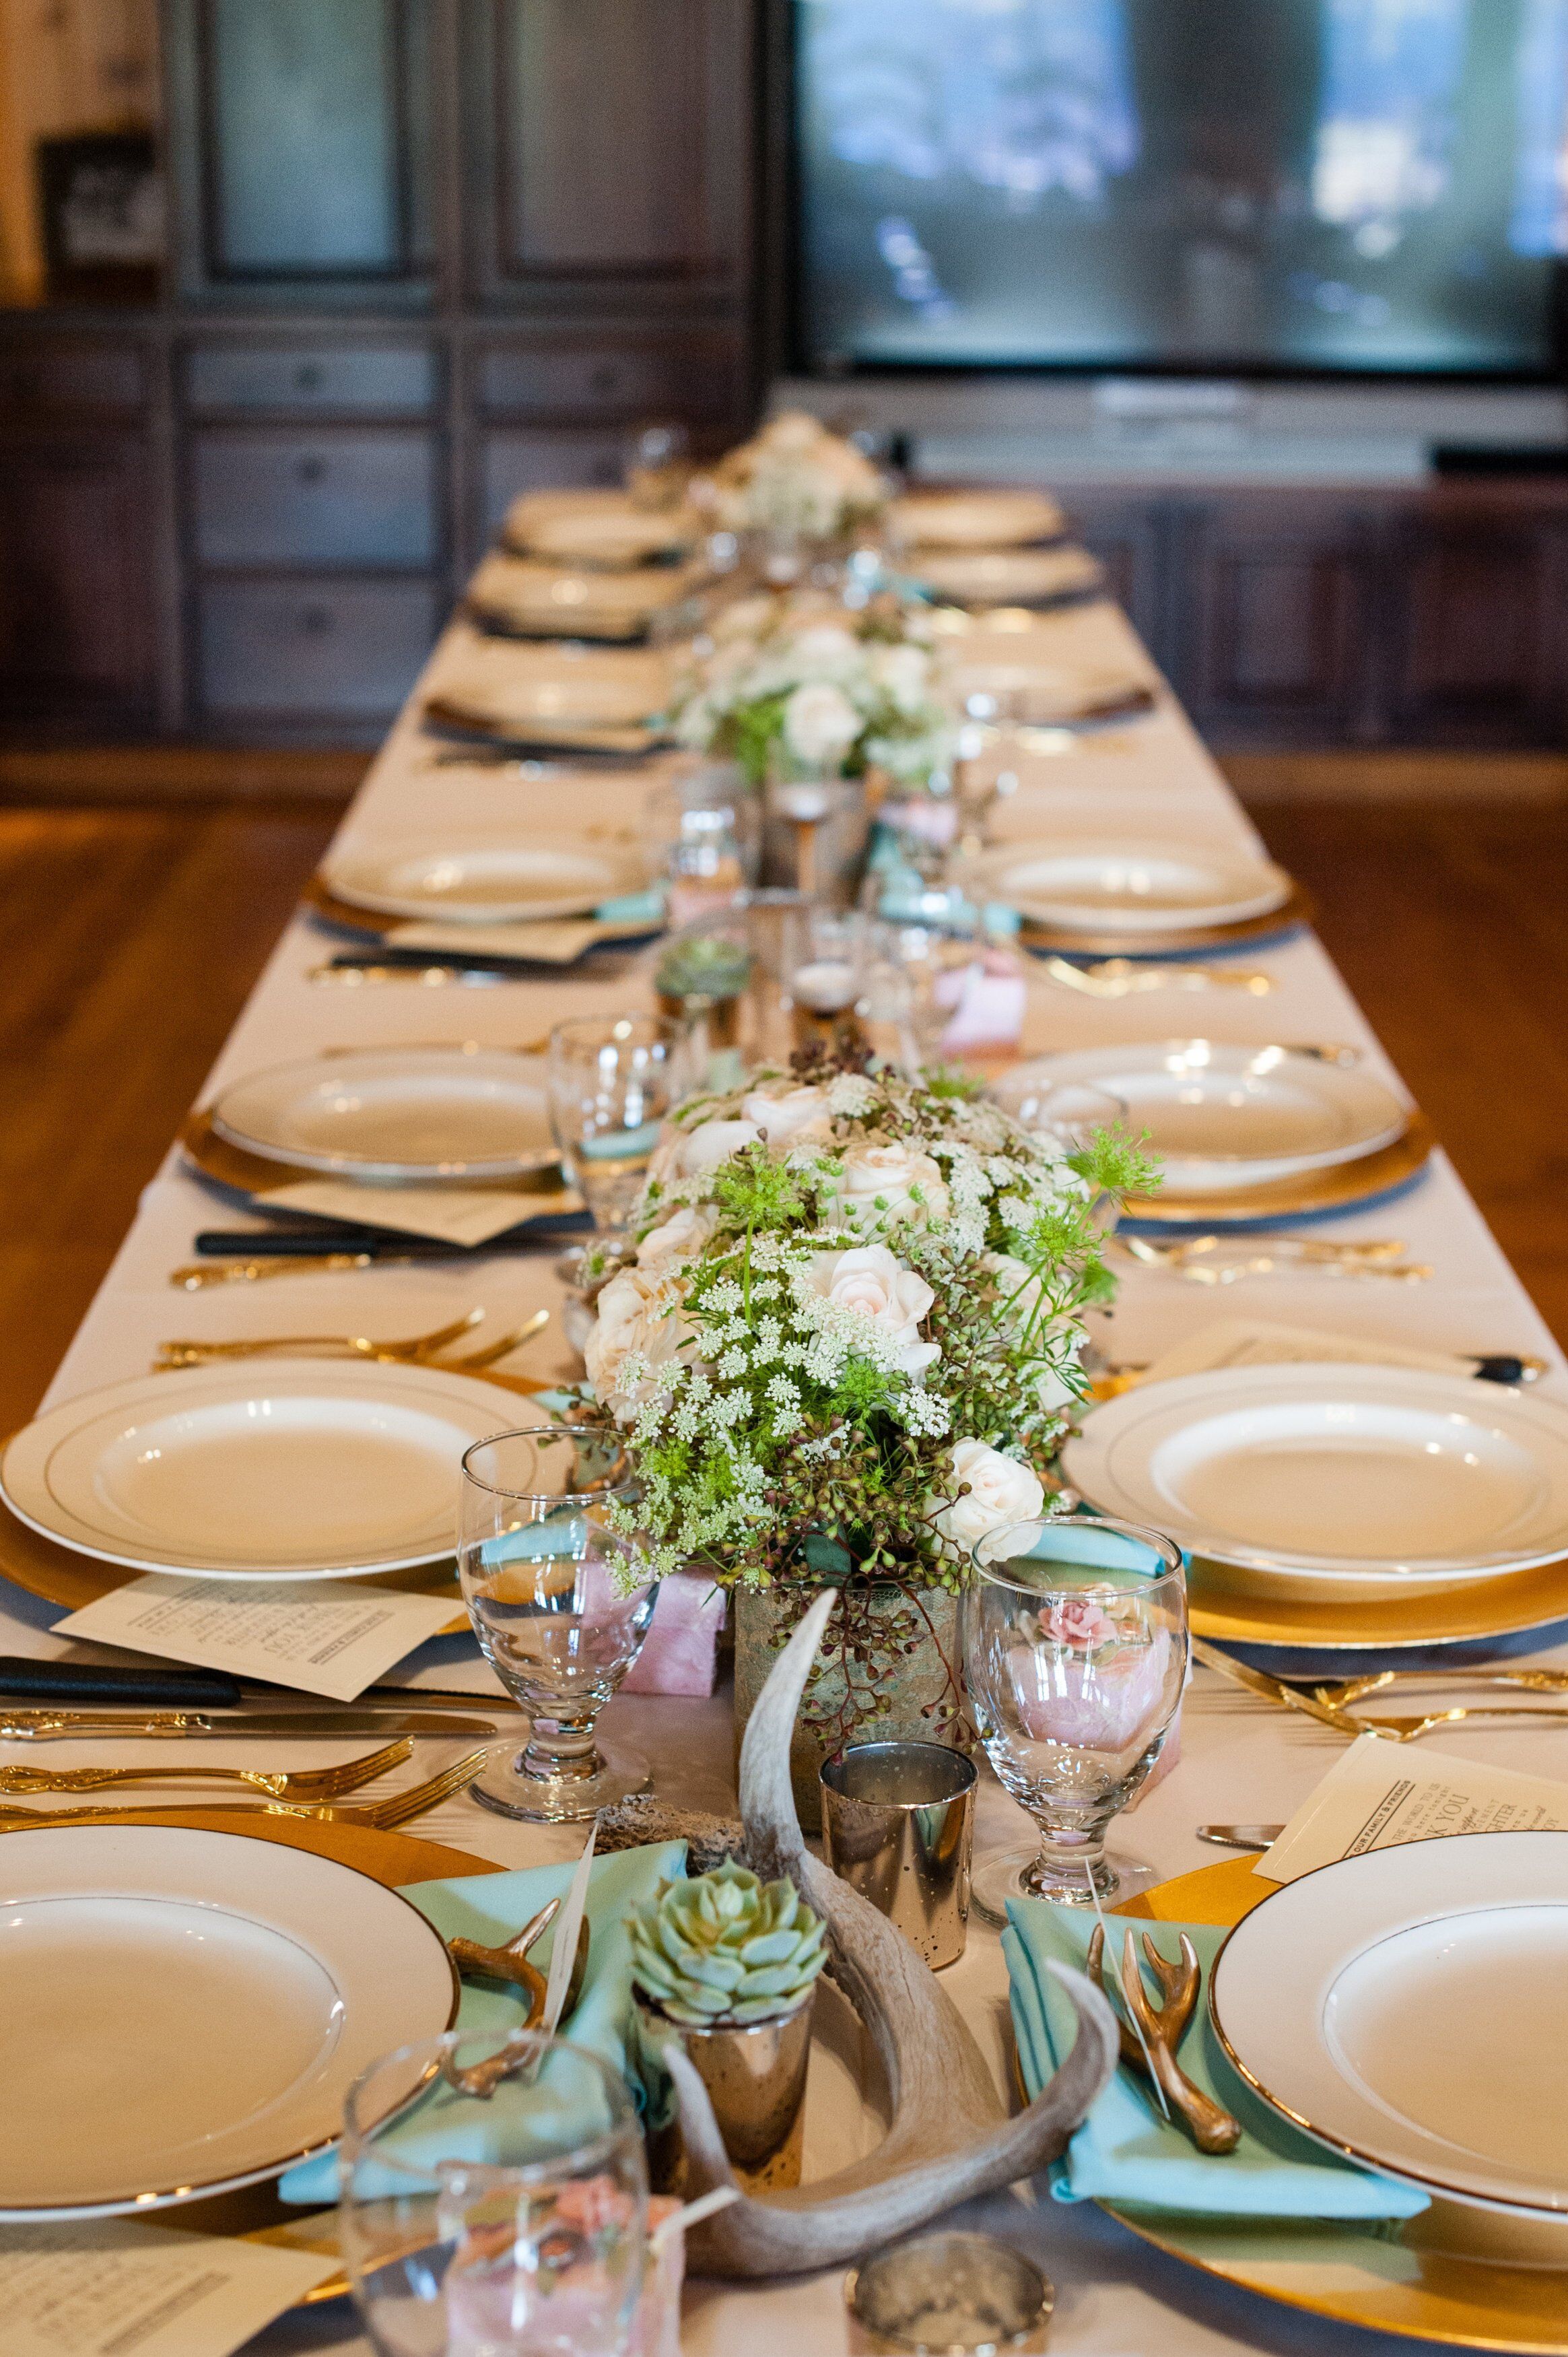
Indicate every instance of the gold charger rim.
{"type": "Point", "coordinates": [1296, 909]}
{"type": "Point", "coordinates": [1488, 2318]}
{"type": "Point", "coordinates": [1466, 1613]}
{"type": "Point", "coordinates": [319, 898]}
{"type": "Point", "coordinates": [1340, 1186]}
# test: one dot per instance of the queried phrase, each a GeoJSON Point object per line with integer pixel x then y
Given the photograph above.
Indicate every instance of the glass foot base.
{"type": "Point", "coordinates": [559, 1800]}
{"type": "Point", "coordinates": [1023, 1874]}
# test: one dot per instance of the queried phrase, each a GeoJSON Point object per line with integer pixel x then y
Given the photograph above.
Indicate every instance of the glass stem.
{"type": "Point", "coordinates": [561, 1750]}
{"type": "Point", "coordinates": [1071, 1862]}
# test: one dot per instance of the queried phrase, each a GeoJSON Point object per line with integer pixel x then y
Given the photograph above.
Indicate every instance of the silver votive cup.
{"type": "Point", "coordinates": [950, 2295]}
{"type": "Point", "coordinates": [755, 2075]}
{"type": "Point", "coordinates": [898, 1826]}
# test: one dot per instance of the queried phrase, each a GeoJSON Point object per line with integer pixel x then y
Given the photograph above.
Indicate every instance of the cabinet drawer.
{"type": "Point", "coordinates": [697, 378]}
{"type": "Point", "coordinates": [302, 649]}
{"type": "Point", "coordinates": [513, 463]}
{"type": "Point", "coordinates": [373, 379]}
{"type": "Point", "coordinates": [322, 498]}
{"type": "Point", "coordinates": [73, 376]}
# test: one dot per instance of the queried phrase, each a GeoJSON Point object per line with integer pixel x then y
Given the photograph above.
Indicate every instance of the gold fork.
{"type": "Point", "coordinates": [379, 1816]}
{"type": "Point", "coordinates": [279, 1784]}
{"type": "Point", "coordinates": [361, 1346]}
{"type": "Point", "coordinates": [1340, 1693]}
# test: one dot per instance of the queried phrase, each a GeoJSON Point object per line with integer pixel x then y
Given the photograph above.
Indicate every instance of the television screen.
{"type": "Point", "coordinates": [1365, 185]}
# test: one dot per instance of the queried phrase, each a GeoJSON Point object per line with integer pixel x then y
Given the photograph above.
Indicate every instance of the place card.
{"type": "Point", "coordinates": [333, 1637]}
{"type": "Point", "coordinates": [123, 2287]}
{"type": "Point", "coordinates": [1378, 1796]}
{"type": "Point", "coordinates": [455, 1215]}
{"type": "Point", "coordinates": [1257, 1342]}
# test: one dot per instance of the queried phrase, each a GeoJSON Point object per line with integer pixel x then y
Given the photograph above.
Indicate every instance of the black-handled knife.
{"type": "Point", "coordinates": [158, 1689]}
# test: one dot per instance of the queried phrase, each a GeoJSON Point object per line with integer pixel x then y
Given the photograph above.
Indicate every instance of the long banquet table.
{"type": "Point", "coordinates": [1240, 1759]}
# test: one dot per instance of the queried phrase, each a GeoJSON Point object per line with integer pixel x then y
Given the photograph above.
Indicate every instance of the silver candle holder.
{"type": "Point", "coordinates": [949, 2295]}
{"type": "Point", "coordinates": [898, 1826]}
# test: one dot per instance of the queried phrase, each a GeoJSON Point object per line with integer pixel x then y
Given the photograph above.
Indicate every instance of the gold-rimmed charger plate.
{"type": "Point", "coordinates": [322, 901]}
{"type": "Point", "coordinates": [1442, 1616]}
{"type": "Point", "coordinates": [1337, 1188]}
{"type": "Point", "coordinates": [1438, 2277]}
{"type": "Point", "coordinates": [1296, 911]}
{"type": "Point", "coordinates": [251, 1174]}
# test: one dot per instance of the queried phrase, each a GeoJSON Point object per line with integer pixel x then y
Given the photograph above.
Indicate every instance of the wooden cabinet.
{"type": "Point", "coordinates": [1478, 627]}
{"type": "Point", "coordinates": [1271, 613]}
{"type": "Point", "coordinates": [613, 146]}
{"type": "Point", "coordinates": [1129, 537]}
{"type": "Point", "coordinates": [77, 601]}
{"type": "Point", "coordinates": [331, 496]}
{"type": "Point", "coordinates": [316, 655]}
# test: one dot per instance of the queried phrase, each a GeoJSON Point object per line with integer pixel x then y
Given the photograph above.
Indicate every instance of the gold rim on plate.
{"type": "Point", "coordinates": [1337, 1188]}
{"type": "Point", "coordinates": [1441, 1616]}
{"type": "Point", "coordinates": [1296, 909]}
{"type": "Point", "coordinates": [1439, 2277]}
{"type": "Point", "coordinates": [321, 901]}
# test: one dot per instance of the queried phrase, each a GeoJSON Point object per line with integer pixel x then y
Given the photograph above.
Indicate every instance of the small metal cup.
{"type": "Point", "coordinates": [898, 1826]}
{"type": "Point", "coordinates": [949, 2295]}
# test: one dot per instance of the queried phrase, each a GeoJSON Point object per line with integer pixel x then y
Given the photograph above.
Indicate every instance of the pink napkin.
{"type": "Point", "coordinates": [679, 1650]}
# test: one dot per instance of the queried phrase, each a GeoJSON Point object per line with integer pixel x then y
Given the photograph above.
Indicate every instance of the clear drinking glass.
{"type": "Point", "coordinates": [826, 961]}
{"type": "Point", "coordinates": [551, 1592]}
{"type": "Point", "coordinates": [1075, 1653]}
{"type": "Point", "coordinates": [612, 1080]}
{"type": "Point", "coordinates": [511, 2224]}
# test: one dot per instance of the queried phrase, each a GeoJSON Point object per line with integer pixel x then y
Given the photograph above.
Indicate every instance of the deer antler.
{"type": "Point", "coordinates": [949, 2137]}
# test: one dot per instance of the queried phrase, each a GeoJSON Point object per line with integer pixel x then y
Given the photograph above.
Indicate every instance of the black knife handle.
{"type": "Point", "coordinates": [70, 1682]}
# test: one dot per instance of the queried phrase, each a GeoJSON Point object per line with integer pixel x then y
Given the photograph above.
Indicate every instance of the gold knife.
{"type": "Point", "coordinates": [1259, 1682]}
{"type": "Point", "coordinates": [32, 1724]}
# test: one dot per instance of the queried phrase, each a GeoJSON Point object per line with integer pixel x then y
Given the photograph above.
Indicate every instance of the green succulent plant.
{"type": "Point", "coordinates": [703, 965]}
{"type": "Point", "coordinates": [724, 1947]}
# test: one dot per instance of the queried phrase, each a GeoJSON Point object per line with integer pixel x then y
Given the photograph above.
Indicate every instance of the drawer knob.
{"type": "Point", "coordinates": [311, 470]}
{"type": "Point", "coordinates": [310, 377]}
{"type": "Point", "coordinates": [315, 621]}
{"type": "Point", "coordinates": [604, 379]}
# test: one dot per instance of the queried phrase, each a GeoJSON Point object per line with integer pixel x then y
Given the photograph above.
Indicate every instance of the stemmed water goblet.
{"type": "Point", "coordinates": [1074, 1654]}
{"type": "Point", "coordinates": [507, 2223]}
{"type": "Point", "coordinates": [612, 1080]}
{"type": "Point", "coordinates": [560, 1608]}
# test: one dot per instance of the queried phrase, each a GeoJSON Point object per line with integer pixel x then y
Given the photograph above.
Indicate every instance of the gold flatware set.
{"type": "Point", "coordinates": [1129, 977]}
{"type": "Point", "coordinates": [278, 1785]}
{"type": "Point", "coordinates": [397, 1809]}
{"type": "Point", "coordinates": [414, 1349]}
{"type": "Point", "coordinates": [1330, 1712]}
{"type": "Point", "coordinates": [1224, 1260]}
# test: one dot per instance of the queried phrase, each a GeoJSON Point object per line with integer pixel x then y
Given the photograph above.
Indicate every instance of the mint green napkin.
{"type": "Point", "coordinates": [489, 1908]}
{"type": "Point", "coordinates": [1126, 2150]}
{"type": "Point", "coordinates": [634, 909]}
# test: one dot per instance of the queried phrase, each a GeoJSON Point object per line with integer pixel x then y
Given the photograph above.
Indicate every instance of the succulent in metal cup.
{"type": "Point", "coordinates": [723, 1948]}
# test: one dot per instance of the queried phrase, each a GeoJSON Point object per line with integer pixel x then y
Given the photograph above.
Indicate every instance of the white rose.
{"type": "Point", "coordinates": [878, 1188]}
{"type": "Point", "coordinates": [794, 432]}
{"type": "Point", "coordinates": [824, 651]}
{"type": "Point", "coordinates": [900, 673]}
{"type": "Point", "coordinates": [638, 1313]}
{"type": "Point", "coordinates": [682, 1235]}
{"type": "Point", "coordinates": [877, 1287]}
{"type": "Point", "coordinates": [1001, 1490]}
{"type": "Point", "coordinates": [819, 723]}
{"type": "Point", "coordinates": [692, 1152]}
{"type": "Point", "coordinates": [785, 1115]}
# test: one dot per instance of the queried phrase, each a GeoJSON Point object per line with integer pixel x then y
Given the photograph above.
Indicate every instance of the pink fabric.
{"type": "Point", "coordinates": [679, 1652]}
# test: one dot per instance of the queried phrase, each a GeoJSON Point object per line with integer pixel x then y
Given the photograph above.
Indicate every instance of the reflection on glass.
{"type": "Point", "coordinates": [611, 1083]}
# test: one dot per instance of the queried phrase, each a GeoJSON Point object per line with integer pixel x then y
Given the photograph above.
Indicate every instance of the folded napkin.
{"type": "Point", "coordinates": [1126, 2150]}
{"type": "Point", "coordinates": [490, 1908]}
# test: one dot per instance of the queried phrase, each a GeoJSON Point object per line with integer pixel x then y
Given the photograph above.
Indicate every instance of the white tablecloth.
{"type": "Point", "coordinates": [1240, 1759]}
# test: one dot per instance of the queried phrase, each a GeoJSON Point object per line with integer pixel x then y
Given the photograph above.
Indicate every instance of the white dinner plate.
{"type": "Point", "coordinates": [1221, 1117]}
{"type": "Point", "coordinates": [976, 519]}
{"type": "Point", "coordinates": [598, 528]}
{"type": "Point", "coordinates": [1009, 576]}
{"type": "Point", "coordinates": [1384, 1478]}
{"type": "Point", "coordinates": [184, 2012]}
{"type": "Point", "coordinates": [502, 682]}
{"type": "Point", "coordinates": [391, 1114]}
{"type": "Point", "coordinates": [485, 879]}
{"type": "Point", "coordinates": [283, 1468]}
{"type": "Point", "coordinates": [1130, 887]}
{"type": "Point", "coordinates": [1405, 2007]}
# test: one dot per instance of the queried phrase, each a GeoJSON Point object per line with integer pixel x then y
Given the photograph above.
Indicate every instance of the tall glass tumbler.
{"type": "Point", "coordinates": [1075, 1653]}
{"type": "Point", "coordinates": [612, 1080]}
{"type": "Point", "coordinates": [560, 1612]}
{"type": "Point", "coordinates": [494, 2199]}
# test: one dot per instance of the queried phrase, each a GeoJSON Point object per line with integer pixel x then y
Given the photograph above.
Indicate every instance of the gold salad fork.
{"type": "Point", "coordinates": [278, 1784]}
{"type": "Point", "coordinates": [379, 1816]}
{"type": "Point", "coordinates": [1341, 1693]}
{"type": "Point", "coordinates": [358, 1346]}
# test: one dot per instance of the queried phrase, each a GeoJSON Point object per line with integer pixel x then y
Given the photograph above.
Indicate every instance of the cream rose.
{"type": "Point", "coordinates": [692, 1153]}
{"type": "Point", "coordinates": [784, 1115]}
{"type": "Point", "coordinates": [874, 1285]}
{"type": "Point", "coordinates": [878, 1188]}
{"type": "Point", "coordinates": [639, 1316]}
{"type": "Point", "coordinates": [902, 674]}
{"type": "Point", "coordinates": [685, 1232]}
{"type": "Point", "coordinates": [820, 724]}
{"type": "Point", "coordinates": [1001, 1490]}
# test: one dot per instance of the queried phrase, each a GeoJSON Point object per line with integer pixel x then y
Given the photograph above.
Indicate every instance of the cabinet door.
{"type": "Point", "coordinates": [1479, 629]}
{"type": "Point", "coordinates": [76, 591]}
{"type": "Point", "coordinates": [619, 140]}
{"type": "Point", "coordinates": [302, 129]}
{"type": "Point", "coordinates": [330, 498]}
{"type": "Point", "coordinates": [1275, 601]}
{"type": "Point", "coordinates": [1128, 536]}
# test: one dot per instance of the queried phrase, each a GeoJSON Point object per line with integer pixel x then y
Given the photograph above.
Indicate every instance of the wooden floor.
{"type": "Point", "coordinates": [134, 934]}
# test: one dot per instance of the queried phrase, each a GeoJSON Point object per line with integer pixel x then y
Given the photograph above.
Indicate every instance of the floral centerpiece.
{"type": "Point", "coordinates": [847, 1342]}
{"type": "Point", "coordinates": [809, 683]}
{"type": "Point", "coordinates": [795, 478]}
